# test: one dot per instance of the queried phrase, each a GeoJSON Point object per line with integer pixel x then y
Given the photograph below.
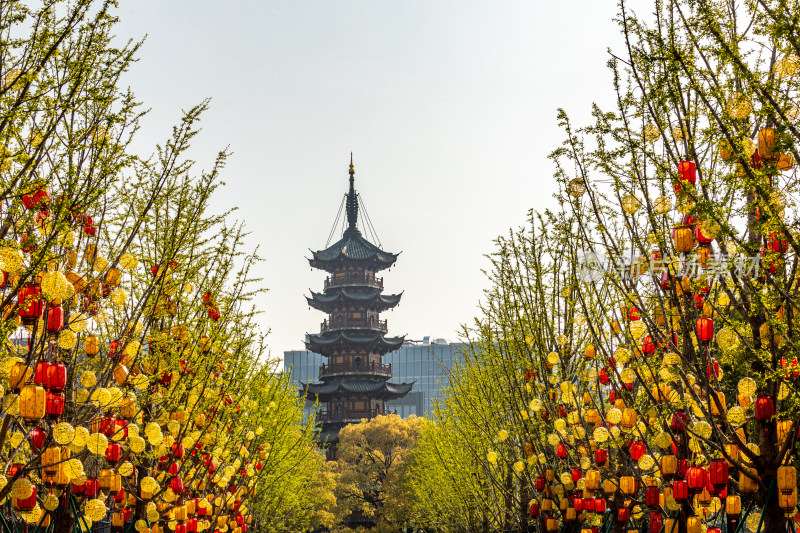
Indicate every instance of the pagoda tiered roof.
{"type": "Point", "coordinates": [370, 297]}
{"type": "Point", "coordinates": [384, 390]}
{"type": "Point", "coordinates": [352, 247]}
{"type": "Point", "coordinates": [328, 342]}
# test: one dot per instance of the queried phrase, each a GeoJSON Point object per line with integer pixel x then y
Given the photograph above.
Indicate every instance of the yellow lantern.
{"type": "Point", "coordinates": [627, 485]}
{"type": "Point", "coordinates": [592, 479]}
{"type": "Point", "coordinates": [551, 524]}
{"type": "Point", "coordinates": [694, 524]}
{"type": "Point", "coordinates": [787, 479]}
{"type": "Point", "coordinates": [766, 144]}
{"type": "Point", "coordinates": [32, 402]}
{"type": "Point", "coordinates": [783, 431]}
{"type": "Point", "coordinates": [733, 505]}
{"type": "Point", "coordinates": [669, 465]}
{"type": "Point", "coordinates": [113, 277]}
{"type": "Point", "coordinates": [745, 401]}
{"type": "Point", "coordinates": [683, 238]}
{"type": "Point", "coordinates": [51, 457]}
{"type": "Point", "coordinates": [628, 418]}
{"type": "Point", "coordinates": [717, 410]}
{"type": "Point", "coordinates": [590, 352]}
{"type": "Point", "coordinates": [20, 375]}
{"type": "Point", "coordinates": [609, 486]}
{"type": "Point", "coordinates": [91, 346]}
{"type": "Point", "coordinates": [746, 484]}
{"type": "Point", "coordinates": [120, 374]}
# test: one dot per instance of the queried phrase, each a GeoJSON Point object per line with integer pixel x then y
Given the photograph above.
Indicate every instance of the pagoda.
{"type": "Point", "coordinates": [354, 381]}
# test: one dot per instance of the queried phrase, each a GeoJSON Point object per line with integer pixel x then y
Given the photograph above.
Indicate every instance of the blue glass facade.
{"type": "Point", "coordinates": [427, 364]}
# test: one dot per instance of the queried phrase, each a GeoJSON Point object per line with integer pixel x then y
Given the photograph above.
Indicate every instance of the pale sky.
{"type": "Point", "coordinates": [448, 106]}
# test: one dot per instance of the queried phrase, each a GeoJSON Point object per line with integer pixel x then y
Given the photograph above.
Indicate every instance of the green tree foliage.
{"type": "Point", "coordinates": [369, 484]}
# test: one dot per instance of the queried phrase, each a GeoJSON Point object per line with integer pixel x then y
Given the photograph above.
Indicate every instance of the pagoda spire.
{"type": "Point", "coordinates": [352, 199]}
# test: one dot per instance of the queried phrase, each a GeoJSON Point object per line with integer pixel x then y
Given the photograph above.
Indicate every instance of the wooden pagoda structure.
{"type": "Point", "coordinates": [353, 384]}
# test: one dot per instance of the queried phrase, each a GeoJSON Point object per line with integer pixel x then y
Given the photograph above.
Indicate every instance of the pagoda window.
{"type": "Point", "coordinates": [358, 362]}
{"type": "Point", "coordinates": [357, 315]}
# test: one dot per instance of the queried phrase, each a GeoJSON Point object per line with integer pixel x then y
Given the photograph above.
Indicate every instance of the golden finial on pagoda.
{"type": "Point", "coordinates": [352, 168]}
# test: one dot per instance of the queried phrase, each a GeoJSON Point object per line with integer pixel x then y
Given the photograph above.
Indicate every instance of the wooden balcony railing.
{"type": "Point", "coordinates": [366, 367]}
{"type": "Point", "coordinates": [366, 323]}
{"type": "Point", "coordinates": [351, 414]}
{"type": "Point", "coordinates": [354, 278]}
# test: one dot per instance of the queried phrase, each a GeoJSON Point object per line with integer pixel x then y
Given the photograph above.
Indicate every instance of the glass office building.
{"type": "Point", "coordinates": [427, 363]}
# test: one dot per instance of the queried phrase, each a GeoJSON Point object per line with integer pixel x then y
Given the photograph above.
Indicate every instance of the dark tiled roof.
{"type": "Point", "coordinates": [379, 302]}
{"type": "Point", "coordinates": [353, 247]}
{"type": "Point", "coordinates": [324, 343]}
{"type": "Point", "coordinates": [382, 389]}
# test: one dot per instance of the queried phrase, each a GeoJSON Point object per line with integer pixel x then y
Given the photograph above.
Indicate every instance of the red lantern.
{"type": "Point", "coordinates": [687, 172]}
{"type": "Point", "coordinates": [191, 525]}
{"type": "Point", "coordinates": [37, 437]}
{"type": "Point", "coordinates": [637, 449]}
{"type": "Point", "coordinates": [91, 487]}
{"type": "Point", "coordinates": [176, 484]}
{"type": "Point", "coordinates": [775, 244]}
{"type": "Point", "coordinates": [213, 313]}
{"type": "Point", "coordinates": [539, 483]}
{"type": "Point", "coordinates": [603, 377]}
{"type": "Point", "coordinates": [702, 239]}
{"type": "Point", "coordinates": [648, 346]}
{"type": "Point", "coordinates": [715, 366]}
{"type": "Point", "coordinates": [634, 314]}
{"type": "Point", "coordinates": [55, 319]}
{"type": "Point", "coordinates": [697, 478]}
{"type": "Point", "coordinates": [54, 404]}
{"type": "Point", "coordinates": [599, 505]}
{"type": "Point", "coordinates": [578, 504]}
{"type": "Point", "coordinates": [56, 377]}
{"type": "Point", "coordinates": [678, 422]}
{"type": "Point", "coordinates": [30, 304]}
{"type": "Point", "coordinates": [37, 198]}
{"type": "Point", "coordinates": [718, 473]}
{"type": "Point", "coordinates": [561, 451]}
{"type": "Point", "coordinates": [601, 456]}
{"type": "Point", "coordinates": [113, 453]}
{"type": "Point", "coordinates": [656, 521]}
{"type": "Point", "coordinates": [576, 474]}
{"type": "Point", "coordinates": [764, 408]}
{"type": "Point", "coordinates": [534, 510]}
{"type": "Point", "coordinates": [651, 496]}
{"type": "Point", "coordinates": [680, 489]}
{"type": "Point", "coordinates": [705, 329]}
{"type": "Point", "coordinates": [40, 374]}
{"type": "Point", "coordinates": [120, 496]}
{"type": "Point", "coordinates": [623, 514]}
